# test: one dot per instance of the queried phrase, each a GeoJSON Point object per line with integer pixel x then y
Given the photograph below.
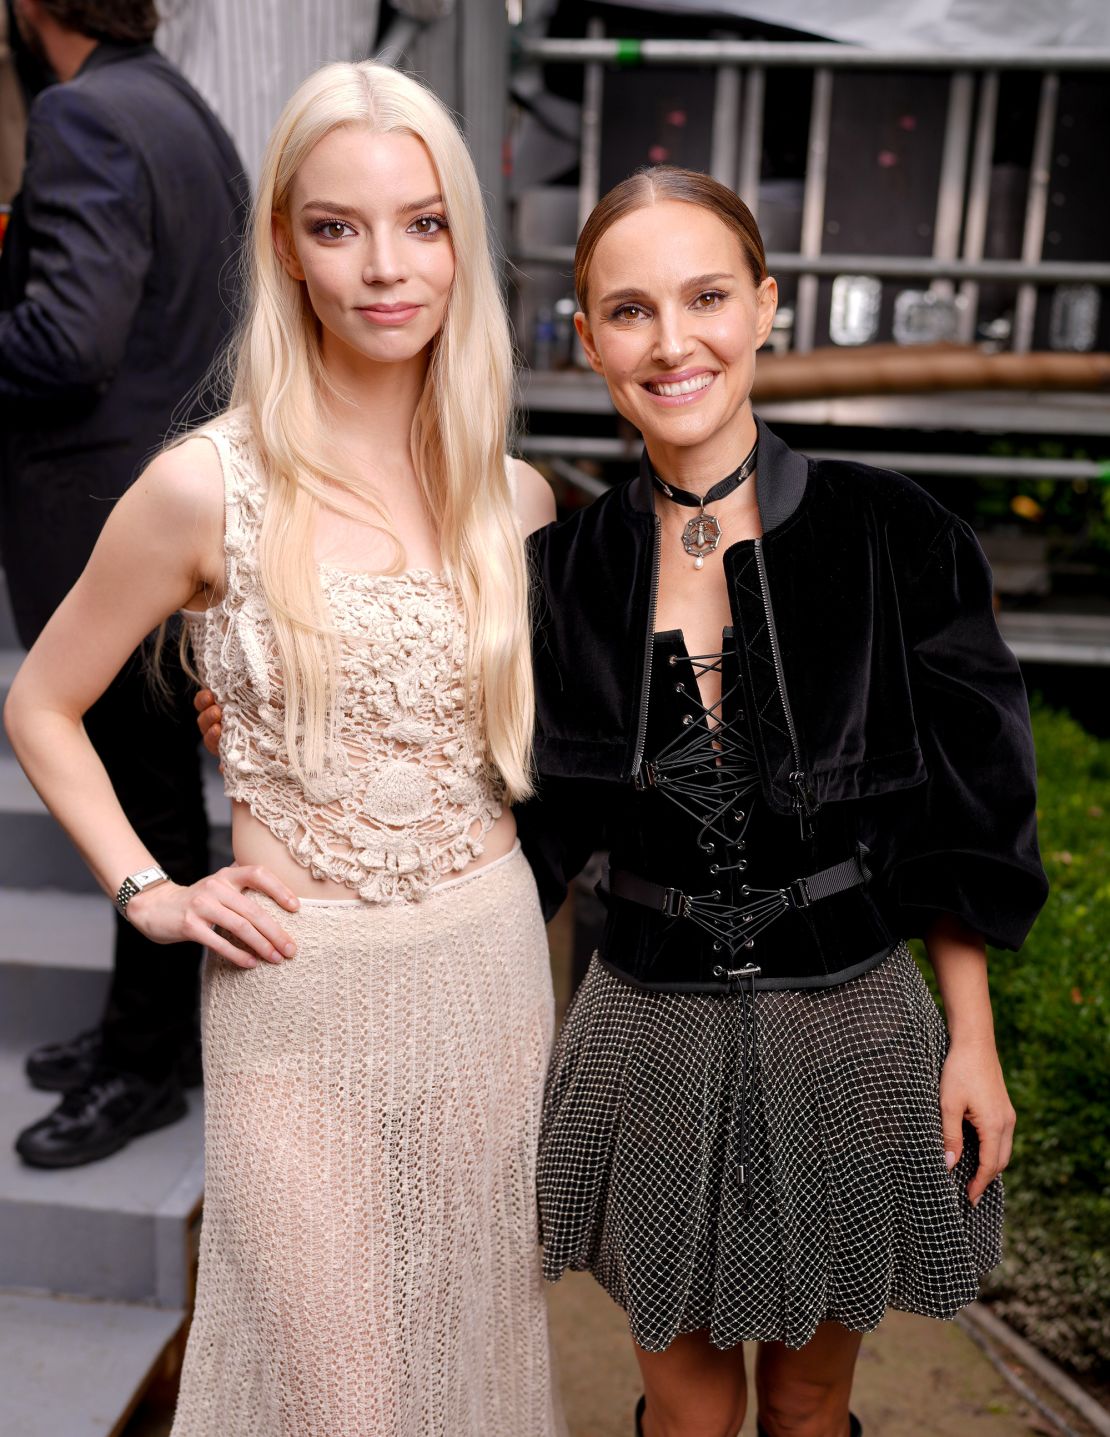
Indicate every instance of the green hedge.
{"type": "Point", "coordinates": [1052, 1011]}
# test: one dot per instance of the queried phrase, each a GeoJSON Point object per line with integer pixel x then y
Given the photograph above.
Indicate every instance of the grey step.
{"type": "Point", "coordinates": [124, 1229]}
{"type": "Point", "coordinates": [9, 639]}
{"type": "Point", "coordinates": [10, 660]}
{"type": "Point", "coordinates": [55, 962]}
{"type": "Point", "coordinates": [35, 853]}
{"type": "Point", "coordinates": [74, 1369]}
{"type": "Point", "coordinates": [1057, 638]}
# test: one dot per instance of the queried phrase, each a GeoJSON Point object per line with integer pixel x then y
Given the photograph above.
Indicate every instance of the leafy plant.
{"type": "Point", "coordinates": [1052, 1015]}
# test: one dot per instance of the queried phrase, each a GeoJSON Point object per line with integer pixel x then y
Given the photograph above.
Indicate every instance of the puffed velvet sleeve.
{"type": "Point", "coordinates": [562, 825]}
{"type": "Point", "coordinates": [965, 841]}
{"type": "Point", "coordinates": [560, 829]}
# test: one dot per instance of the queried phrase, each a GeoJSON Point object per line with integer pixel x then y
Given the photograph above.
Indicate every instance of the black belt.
{"type": "Point", "coordinates": [735, 926]}
{"type": "Point", "coordinates": [800, 893]}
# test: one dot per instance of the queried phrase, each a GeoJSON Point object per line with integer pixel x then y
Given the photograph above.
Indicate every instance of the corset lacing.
{"type": "Point", "coordinates": [719, 748]}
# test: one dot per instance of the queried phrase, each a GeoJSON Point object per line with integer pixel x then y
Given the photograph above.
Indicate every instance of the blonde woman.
{"type": "Point", "coordinates": [377, 1006]}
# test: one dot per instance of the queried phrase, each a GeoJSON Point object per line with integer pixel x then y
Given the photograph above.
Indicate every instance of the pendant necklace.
{"type": "Point", "coordinates": [702, 535]}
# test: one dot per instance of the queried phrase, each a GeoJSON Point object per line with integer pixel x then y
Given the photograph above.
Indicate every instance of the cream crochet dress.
{"type": "Point", "coordinates": [369, 1262]}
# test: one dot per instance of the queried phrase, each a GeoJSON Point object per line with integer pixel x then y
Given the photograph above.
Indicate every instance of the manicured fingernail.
{"type": "Point", "coordinates": [950, 1160]}
{"type": "Point", "coordinates": [290, 949]}
{"type": "Point", "coordinates": [975, 1200]}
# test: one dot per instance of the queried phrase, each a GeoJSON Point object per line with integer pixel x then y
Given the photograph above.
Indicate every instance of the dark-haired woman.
{"type": "Point", "coordinates": [773, 688]}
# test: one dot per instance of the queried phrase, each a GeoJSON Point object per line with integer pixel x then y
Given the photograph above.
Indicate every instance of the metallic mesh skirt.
{"type": "Point", "coordinates": [848, 1207]}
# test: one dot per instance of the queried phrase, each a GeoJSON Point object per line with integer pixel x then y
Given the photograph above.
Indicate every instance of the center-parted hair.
{"type": "Point", "coordinates": [458, 433]}
{"type": "Point", "coordinates": [657, 184]}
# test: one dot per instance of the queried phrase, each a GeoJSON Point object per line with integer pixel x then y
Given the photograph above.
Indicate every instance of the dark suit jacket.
{"type": "Point", "coordinates": [117, 289]}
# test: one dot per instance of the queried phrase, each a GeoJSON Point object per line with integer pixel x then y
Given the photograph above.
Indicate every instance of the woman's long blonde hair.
{"type": "Point", "coordinates": [459, 430]}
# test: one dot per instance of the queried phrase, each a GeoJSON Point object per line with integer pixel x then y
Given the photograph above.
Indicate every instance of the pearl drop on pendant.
{"type": "Point", "coordinates": [698, 562]}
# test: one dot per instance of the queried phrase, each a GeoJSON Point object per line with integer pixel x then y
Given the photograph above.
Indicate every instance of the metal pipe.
{"type": "Point", "coordinates": [836, 57]}
{"type": "Point", "coordinates": [398, 39]}
{"type": "Point", "coordinates": [1036, 209]}
{"type": "Point", "coordinates": [589, 162]}
{"type": "Point", "coordinates": [751, 138]}
{"type": "Point", "coordinates": [726, 123]}
{"type": "Point", "coordinates": [813, 208]}
{"type": "Point", "coordinates": [973, 466]}
{"type": "Point", "coordinates": [970, 466]}
{"type": "Point", "coordinates": [1000, 271]}
{"type": "Point", "coordinates": [543, 446]}
{"type": "Point", "coordinates": [953, 173]}
{"type": "Point", "coordinates": [582, 481]}
{"type": "Point", "coordinates": [1092, 1412]}
{"type": "Point", "coordinates": [978, 202]}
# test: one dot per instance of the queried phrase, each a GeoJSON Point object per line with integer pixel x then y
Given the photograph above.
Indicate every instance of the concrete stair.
{"type": "Point", "coordinates": [96, 1263]}
{"type": "Point", "coordinates": [108, 1352]}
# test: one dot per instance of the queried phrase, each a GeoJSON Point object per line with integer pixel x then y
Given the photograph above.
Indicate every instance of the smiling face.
{"type": "Point", "coordinates": [366, 232]}
{"type": "Point", "coordinates": [673, 324]}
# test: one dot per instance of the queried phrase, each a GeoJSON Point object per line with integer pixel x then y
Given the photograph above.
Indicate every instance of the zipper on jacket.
{"type": "Point", "coordinates": [803, 801]}
{"type": "Point", "coordinates": [649, 649]}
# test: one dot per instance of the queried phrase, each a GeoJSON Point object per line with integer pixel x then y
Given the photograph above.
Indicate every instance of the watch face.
{"type": "Point", "coordinates": [148, 875]}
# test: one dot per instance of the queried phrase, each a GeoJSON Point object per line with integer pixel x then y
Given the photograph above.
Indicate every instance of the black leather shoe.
{"type": "Point", "coordinates": [62, 1067]}
{"type": "Point", "coordinates": [99, 1118]}
{"type": "Point", "coordinates": [855, 1429]}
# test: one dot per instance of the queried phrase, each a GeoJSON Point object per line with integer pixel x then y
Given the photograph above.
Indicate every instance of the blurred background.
{"type": "Point", "coordinates": [930, 178]}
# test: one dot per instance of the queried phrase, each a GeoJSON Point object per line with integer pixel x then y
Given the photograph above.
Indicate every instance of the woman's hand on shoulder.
{"type": "Point", "coordinates": [535, 503]}
{"type": "Point", "coordinates": [217, 913]}
{"type": "Point", "coordinates": [209, 720]}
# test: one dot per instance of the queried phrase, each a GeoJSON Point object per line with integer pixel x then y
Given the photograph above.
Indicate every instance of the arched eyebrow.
{"type": "Point", "coordinates": [425, 204]}
{"type": "Point", "coordinates": [698, 281]}
{"type": "Point", "coordinates": [351, 212]}
{"type": "Point", "coordinates": [331, 206]}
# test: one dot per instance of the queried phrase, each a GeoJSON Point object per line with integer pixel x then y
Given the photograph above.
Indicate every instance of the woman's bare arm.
{"type": "Point", "coordinates": [535, 503]}
{"type": "Point", "coordinates": [161, 547]}
{"type": "Point", "coordinates": [971, 1085]}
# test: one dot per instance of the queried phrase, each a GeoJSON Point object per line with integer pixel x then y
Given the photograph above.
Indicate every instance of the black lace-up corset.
{"type": "Point", "coordinates": [696, 824]}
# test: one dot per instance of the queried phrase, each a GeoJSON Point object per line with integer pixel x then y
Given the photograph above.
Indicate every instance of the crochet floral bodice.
{"type": "Point", "coordinates": [409, 792]}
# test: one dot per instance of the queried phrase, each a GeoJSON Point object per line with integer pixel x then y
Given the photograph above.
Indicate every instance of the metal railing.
{"type": "Point", "coordinates": [963, 191]}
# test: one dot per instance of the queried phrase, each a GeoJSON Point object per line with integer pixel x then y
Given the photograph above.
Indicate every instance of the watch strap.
{"type": "Point", "coordinates": [138, 883]}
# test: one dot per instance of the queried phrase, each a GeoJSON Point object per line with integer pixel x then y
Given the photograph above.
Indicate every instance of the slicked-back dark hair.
{"type": "Point", "coordinates": [657, 183]}
{"type": "Point", "coordinates": [127, 22]}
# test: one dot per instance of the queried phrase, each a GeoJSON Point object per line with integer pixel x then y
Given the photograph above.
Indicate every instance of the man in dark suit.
{"type": "Point", "coordinates": [117, 284]}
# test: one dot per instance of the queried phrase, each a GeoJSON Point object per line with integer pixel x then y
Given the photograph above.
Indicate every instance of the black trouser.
{"type": "Point", "coordinates": [150, 747]}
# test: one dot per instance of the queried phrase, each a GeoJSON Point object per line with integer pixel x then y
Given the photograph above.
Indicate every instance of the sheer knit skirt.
{"type": "Point", "coordinates": [369, 1260]}
{"type": "Point", "coordinates": [848, 1207]}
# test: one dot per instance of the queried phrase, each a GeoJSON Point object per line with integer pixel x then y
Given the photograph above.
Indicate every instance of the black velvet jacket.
{"type": "Point", "coordinates": [884, 705]}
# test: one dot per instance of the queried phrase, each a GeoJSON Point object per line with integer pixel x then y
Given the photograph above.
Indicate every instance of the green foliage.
{"type": "Point", "coordinates": [1073, 514]}
{"type": "Point", "coordinates": [1052, 1013]}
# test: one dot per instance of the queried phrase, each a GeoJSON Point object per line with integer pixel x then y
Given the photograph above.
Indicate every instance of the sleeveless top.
{"type": "Point", "coordinates": [409, 791]}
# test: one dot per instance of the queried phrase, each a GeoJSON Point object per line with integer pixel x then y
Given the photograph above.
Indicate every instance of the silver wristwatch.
{"type": "Point", "coordinates": [139, 883]}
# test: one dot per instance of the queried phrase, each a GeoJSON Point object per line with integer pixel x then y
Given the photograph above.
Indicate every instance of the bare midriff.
{"type": "Point", "coordinates": [252, 842]}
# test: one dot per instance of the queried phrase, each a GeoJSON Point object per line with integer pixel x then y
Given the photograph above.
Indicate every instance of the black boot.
{"type": "Point", "coordinates": [855, 1429]}
{"type": "Point", "coordinates": [63, 1067]}
{"type": "Point", "coordinates": [640, 1416]}
{"type": "Point", "coordinates": [100, 1117]}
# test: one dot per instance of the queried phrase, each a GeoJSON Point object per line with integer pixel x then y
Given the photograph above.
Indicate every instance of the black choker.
{"type": "Point", "coordinates": [702, 535]}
